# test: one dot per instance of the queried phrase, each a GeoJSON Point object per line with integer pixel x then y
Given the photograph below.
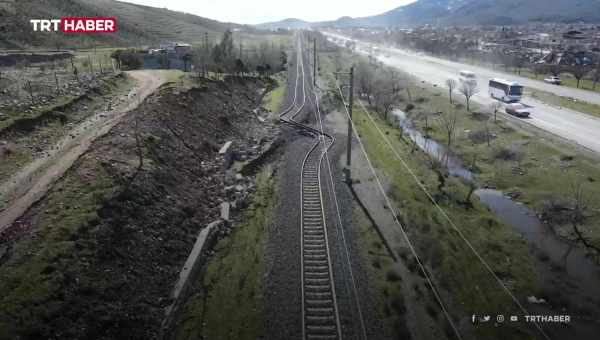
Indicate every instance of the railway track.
{"type": "Point", "coordinates": [320, 312]}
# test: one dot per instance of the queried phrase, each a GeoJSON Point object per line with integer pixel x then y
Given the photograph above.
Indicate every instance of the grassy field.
{"type": "Point", "coordinates": [274, 99]}
{"type": "Point", "coordinates": [31, 281]}
{"type": "Point", "coordinates": [230, 302]}
{"type": "Point", "coordinates": [534, 168]}
{"type": "Point", "coordinates": [390, 298]}
{"type": "Point", "coordinates": [467, 282]}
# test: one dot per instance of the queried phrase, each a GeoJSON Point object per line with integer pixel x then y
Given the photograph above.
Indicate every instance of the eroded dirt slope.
{"type": "Point", "coordinates": [97, 257]}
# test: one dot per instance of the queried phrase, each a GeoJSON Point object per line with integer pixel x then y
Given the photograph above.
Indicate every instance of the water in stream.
{"type": "Point", "coordinates": [562, 264]}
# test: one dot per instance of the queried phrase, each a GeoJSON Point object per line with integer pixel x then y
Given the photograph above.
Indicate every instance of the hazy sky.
{"type": "Point", "coordinates": [259, 11]}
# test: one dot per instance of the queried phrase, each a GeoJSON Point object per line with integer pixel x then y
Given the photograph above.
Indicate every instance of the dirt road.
{"type": "Point", "coordinates": [33, 181]}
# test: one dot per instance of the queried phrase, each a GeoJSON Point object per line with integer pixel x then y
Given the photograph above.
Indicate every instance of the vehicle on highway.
{"type": "Point", "coordinates": [468, 77]}
{"type": "Point", "coordinates": [517, 109]}
{"type": "Point", "coordinates": [553, 80]}
{"type": "Point", "coordinates": [506, 91]}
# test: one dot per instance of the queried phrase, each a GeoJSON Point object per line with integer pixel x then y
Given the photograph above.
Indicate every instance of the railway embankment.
{"type": "Point", "coordinates": [99, 255]}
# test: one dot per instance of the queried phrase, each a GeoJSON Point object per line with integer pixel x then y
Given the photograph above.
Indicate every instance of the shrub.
{"type": "Point", "coordinates": [510, 153]}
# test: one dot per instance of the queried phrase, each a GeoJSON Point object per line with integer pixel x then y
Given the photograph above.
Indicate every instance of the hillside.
{"type": "Point", "coordinates": [290, 23]}
{"type": "Point", "coordinates": [137, 24]}
{"type": "Point", "coordinates": [473, 12]}
{"type": "Point", "coordinates": [476, 12]}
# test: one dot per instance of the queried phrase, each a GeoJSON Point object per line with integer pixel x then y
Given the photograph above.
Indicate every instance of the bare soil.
{"type": "Point", "coordinates": [154, 181]}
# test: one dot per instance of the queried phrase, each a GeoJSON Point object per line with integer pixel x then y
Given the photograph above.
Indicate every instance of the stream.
{"type": "Point", "coordinates": [561, 265]}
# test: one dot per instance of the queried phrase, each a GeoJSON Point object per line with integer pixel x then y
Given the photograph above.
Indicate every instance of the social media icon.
{"type": "Point", "coordinates": [485, 318]}
{"type": "Point", "coordinates": [473, 318]}
{"type": "Point", "coordinates": [514, 318]}
{"type": "Point", "coordinates": [500, 318]}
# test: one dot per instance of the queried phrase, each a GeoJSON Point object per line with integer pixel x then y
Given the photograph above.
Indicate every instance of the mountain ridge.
{"type": "Point", "coordinates": [138, 24]}
{"type": "Point", "coordinates": [475, 12]}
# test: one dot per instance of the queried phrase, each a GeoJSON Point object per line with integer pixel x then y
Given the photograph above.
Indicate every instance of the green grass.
{"type": "Point", "coordinates": [569, 103]}
{"type": "Point", "coordinates": [551, 169]}
{"type": "Point", "coordinates": [233, 302]}
{"type": "Point", "coordinates": [390, 304]}
{"type": "Point", "coordinates": [31, 280]}
{"type": "Point", "coordinates": [468, 284]}
{"type": "Point", "coordinates": [38, 112]}
{"type": "Point", "coordinates": [274, 99]}
{"type": "Point", "coordinates": [49, 132]}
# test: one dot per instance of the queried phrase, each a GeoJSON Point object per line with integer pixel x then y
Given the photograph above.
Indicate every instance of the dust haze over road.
{"type": "Point", "coordinates": [575, 126]}
{"type": "Point", "coordinates": [33, 181]}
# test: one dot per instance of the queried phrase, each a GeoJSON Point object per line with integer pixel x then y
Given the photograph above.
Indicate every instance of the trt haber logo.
{"type": "Point", "coordinates": [82, 25]}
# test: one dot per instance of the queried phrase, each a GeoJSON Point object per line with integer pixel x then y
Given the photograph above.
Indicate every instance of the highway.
{"type": "Point", "coordinates": [578, 127]}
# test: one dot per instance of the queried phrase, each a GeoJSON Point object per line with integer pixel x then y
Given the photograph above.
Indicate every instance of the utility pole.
{"type": "Point", "coordinates": [315, 62]}
{"type": "Point", "coordinates": [351, 103]}
{"type": "Point", "coordinates": [350, 106]}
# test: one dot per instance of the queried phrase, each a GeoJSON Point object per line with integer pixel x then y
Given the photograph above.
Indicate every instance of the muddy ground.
{"type": "Point", "coordinates": [98, 255]}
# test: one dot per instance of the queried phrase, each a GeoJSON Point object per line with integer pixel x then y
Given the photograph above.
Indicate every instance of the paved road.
{"type": "Point", "coordinates": [581, 128]}
{"type": "Point", "coordinates": [33, 181]}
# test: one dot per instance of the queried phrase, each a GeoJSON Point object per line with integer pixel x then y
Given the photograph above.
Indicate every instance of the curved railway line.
{"type": "Point", "coordinates": [320, 311]}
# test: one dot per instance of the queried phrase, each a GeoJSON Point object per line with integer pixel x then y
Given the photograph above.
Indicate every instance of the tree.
{"type": "Point", "coordinates": [364, 79]}
{"type": "Point", "coordinates": [187, 60]}
{"type": "Point", "coordinates": [468, 89]}
{"type": "Point", "coordinates": [451, 84]}
{"type": "Point", "coordinates": [386, 93]}
{"type": "Point", "coordinates": [555, 69]}
{"type": "Point", "coordinates": [283, 58]}
{"type": "Point", "coordinates": [578, 212]}
{"type": "Point", "coordinates": [494, 108]}
{"type": "Point", "coordinates": [596, 76]}
{"type": "Point", "coordinates": [579, 71]}
{"type": "Point", "coordinates": [448, 124]}
{"type": "Point", "coordinates": [537, 69]}
{"type": "Point", "coordinates": [518, 62]}
{"type": "Point", "coordinates": [240, 68]}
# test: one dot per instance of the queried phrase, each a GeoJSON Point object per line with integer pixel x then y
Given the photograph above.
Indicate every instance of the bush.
{"type": "Point", "coordinates": [510, 153]}
{"type": "Point", "coordinates": [478, 137]}
{"type": "Point", "coordinates": [409, 107]}
{"type": "Point", "coordinates": [392, 276]}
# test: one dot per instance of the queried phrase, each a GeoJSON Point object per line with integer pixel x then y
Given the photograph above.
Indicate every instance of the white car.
{"type": "Point", "coordinates": [553, 80]}
{"type": "Point", "coordinates": [518, 109]}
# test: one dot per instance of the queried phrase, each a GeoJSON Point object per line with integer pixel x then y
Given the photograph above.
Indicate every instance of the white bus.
{"type": "Point", "coordinates": [506, 91]}
{"type": "Point", "coordinates": [468, 77]}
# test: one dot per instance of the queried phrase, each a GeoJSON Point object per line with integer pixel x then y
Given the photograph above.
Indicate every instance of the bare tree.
{"type": "Point", "coordinates": [364, 79]}
{"type": "Point", "coordinates": [451, 84]}
{"type": "Point", "coordinates": [579, 71]}
{"type": "Point", "coordinates": [494, 108]}
{"type": "Point", "coordinates": [468, 89]}
{"type": "Point", "coordinates": [596, 76]}
{"type": "Point", "coordinates": [518, 62]}
{"type": "Point", "coordinates": [538, 69]}
{"type": "Point", "coordinates": [386, 93]}
{"type": "Point", "coordinates": [555, 69]}
{"type": "Point", "coordinates": [579, 210]}
{"type": "Point", "coordinates": [448, 124]}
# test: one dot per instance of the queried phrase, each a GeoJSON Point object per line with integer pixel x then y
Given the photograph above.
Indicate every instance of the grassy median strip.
{"type": "Point", "coordinates": [229, 304]}
{"type": "Point", "coordinates": [566, 102]}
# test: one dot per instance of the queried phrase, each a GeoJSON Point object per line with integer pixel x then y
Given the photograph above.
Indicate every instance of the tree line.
{"type": "Point", "coordinates": [226, 56]}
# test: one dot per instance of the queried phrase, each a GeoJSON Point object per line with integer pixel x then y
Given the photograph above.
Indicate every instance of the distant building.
{"type": "Point", "coordinates": [178, 48]}
{"type": "Point", "coordinates": [168, 56]}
